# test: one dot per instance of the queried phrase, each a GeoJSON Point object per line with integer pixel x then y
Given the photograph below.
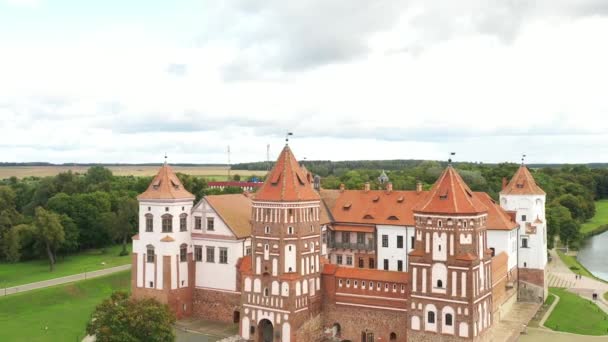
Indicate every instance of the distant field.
{"type": "Point", "coordinates": [211, 172]}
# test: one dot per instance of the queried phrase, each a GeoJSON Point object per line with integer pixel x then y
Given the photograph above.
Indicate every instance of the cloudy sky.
{"type": "Point", "coordinates": [127, 81]}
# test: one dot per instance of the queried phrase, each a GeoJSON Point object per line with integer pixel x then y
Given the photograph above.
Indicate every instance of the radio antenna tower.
{"type": "Point", "coordinates": [229, 163]}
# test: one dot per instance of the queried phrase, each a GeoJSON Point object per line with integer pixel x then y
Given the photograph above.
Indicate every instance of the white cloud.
{"type": "Point", "coordinates": [392, 81]}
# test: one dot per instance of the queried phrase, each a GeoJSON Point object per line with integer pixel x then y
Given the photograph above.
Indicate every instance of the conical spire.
{"type": "Point", "coordinates": [286, 181]}
{"type": "Point", "coordinates": [450, 195]}
{"type": "Point", "coordinates": [522, 183]}
{"type": "Point", "coordinates": [165, 185]}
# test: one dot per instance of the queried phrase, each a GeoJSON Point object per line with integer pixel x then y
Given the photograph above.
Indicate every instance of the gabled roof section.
{"type": "Point", "coordinates": [498, 218]}
{"type": "Point", "coordinates": [450, 195]}
{"type": "Point", "coordinates": [234, 210]}
{"type": "Point", "coordinates": [165, 185]}
{"type": "Point", "coordinates": [287, 182]}
{"type": "Point", "coordinates": [522, 183]}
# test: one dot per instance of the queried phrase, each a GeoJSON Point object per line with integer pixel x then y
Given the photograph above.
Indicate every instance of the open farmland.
{"type": "Point", "coordinates": [210, 172]}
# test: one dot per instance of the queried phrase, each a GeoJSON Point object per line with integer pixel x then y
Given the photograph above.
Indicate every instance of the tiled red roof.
{"type": "Point", "coordinates": [167, 238]}
{"type": "Point", "coordinates": [450, 195]}
{"type": "Point", "coordinates": [135, 237]}
{"type": "Point", "coordinates": [372, 207]}
{"type": "Point", "coordinates": [353, 228]}
{"type": "Point", "coordinates": [498, 218]}
{"type": "Point", "coordinates": [234, 210]}
{"type": "Point", "coordinates": [236, 184]}
{"type": "Point", "coordinates": [329, 269]}
{"type": "Point", "coordinates": [287, 181]}
{"type": "Point", "coordinates": [371, 274]}
{"type": "Point", "coordinates": [165, 185]}
{"type": "Point", "coordinates": [522, 183]}
{"type": "Point", "coordinates": [244, 264]}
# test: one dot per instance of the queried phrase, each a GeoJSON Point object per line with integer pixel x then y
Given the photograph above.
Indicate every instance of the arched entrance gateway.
{"type": "Point", "coordinates": [265, 331]}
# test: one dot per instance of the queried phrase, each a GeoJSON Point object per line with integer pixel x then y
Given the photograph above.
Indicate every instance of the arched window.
{"type": "Point", "coordinates": [167, 223]}
{"type": "Point", "coordinates": [439, 223]}
{"type": "Point", "coordinates": [448, 319]}
{"type": "Point", "coordinates": [265, 292]}
{"type": "Point", "coordinates": [150, 253]}
{"type": "Point", "coordinates": [464, 224]}
{"type": "Point", "coordinates": [183, 222]}
{"type": "Point", "coordinates": [183, 252]}
{"type": "Point", "coordinates": [149, 223]}
{"type": "Point", "coordinates": [290, 230]}
{"type": "Point", "coordinates": [430, 317]}
{"type": "Point", "coordinates": [393, 337]}
{"type": "Point", "coordinates": [267, 230]}
{"type": "Point", "coordinates": [439, 283]}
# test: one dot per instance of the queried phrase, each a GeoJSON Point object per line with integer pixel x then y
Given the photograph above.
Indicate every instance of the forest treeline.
{"type": "Point", "coordinates": [51, 216]}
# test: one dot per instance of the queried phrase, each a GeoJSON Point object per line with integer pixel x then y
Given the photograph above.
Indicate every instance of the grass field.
{"type": "Point", "coordinates": [38, 270]}
{"type": "Point", "coordinates": [600, 217]}
{"type": "Point", "coordinates": [577, 315]}
{"type": "Point", "coordinates": [210, 172]}
{"type": "Point", "coordinates": [57, 313]}
{"type": "Point", "coordinates": [571, 262]}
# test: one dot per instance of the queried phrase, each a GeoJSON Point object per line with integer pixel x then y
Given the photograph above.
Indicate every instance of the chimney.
{"type": "Point", "coordinates": [342, 187]}
{"type": "Point", "coordinates": [366, 188]}
{"type": "Point", "coordinates": [389, 187]}
{"type": "Point", "coordinates": [418, 187]}
{"type": "Point", "coordinates": [504, 182]}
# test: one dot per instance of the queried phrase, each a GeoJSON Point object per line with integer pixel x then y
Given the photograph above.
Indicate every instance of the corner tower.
{"type": "Point", "coordinates": [524, 197]}
{"type": "Point", "coordinates": [281, 290]}
{"type": "Point", "coordinates": [162, 254]}
{"type": "Point", "coordinates": [450, 267]}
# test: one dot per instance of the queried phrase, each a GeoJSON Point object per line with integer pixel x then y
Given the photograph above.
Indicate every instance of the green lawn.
{"type": "Point", "coordinates": [57, 313]}
{"type": "Point", "coordinates": [606, 295]}
{"type": "Point", "coordinates": [571, 262]}
{"type": "Point", "coordinates": [38, 270]}
{"type": "Point", "coordinates": [600, 217]}
{"type": "Point", "coordinates": [577, 315]}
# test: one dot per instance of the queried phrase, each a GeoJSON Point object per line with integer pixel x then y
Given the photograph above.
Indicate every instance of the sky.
{"type": "Point", "coordinates": [128, 81]}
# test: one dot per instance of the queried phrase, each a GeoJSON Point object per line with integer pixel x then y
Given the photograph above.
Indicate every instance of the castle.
{"type": "Point", "coordinates": [294, 262]}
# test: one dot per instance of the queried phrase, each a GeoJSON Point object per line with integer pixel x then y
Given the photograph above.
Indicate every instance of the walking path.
{"type": "Point", "coordinates": [62, 280]}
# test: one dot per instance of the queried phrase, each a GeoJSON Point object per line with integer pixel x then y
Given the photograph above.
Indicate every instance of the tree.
{"type": "Point", "coordinates": [236, 177]}
{"type": "Point", "coordinates": [120, 318]}
{"type": "Point", "coordinates": [11, 247]}
{"type": "Point", "coordinates": [48, 233]}
{"type": "Point", "coordinates": [124, 222]}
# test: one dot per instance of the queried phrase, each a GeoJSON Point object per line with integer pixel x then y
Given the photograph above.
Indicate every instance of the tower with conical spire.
{"type": "Point", "coordinates": [450, 270]}
{"type": "Point", "coordinates": [281, 287]}
{"type": "Point", "coordinates": [162, 257]}
{"type": "Point", "coordinates": [524, 197]}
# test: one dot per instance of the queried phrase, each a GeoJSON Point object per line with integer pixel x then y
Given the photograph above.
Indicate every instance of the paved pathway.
{"type": "Point", "coordinates": [62, 280]}
{"type": "Point", "coordinates": [191, 329]}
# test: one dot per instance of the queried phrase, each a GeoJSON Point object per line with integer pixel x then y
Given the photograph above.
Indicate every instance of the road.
{"type": "Point", "coordinates": [62, 280]}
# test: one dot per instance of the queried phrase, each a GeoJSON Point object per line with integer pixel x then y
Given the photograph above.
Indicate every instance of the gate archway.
{"type": "Point", "coordinates": [265, 331]}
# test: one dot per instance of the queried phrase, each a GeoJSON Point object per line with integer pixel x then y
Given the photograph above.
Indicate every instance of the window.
{"type": "Point", "coordinates": [198, 253]}
{"type": "Point", "coordinates": [210, 223]}
{"type": "Point", "coordinates": [198, 223]}
{"type": "Point", "coordinates": [339, 259]}
{"type": "Point", "coordinates": [439, 284]}
{"type": "Point", "coordinates": [150, 254]}
{"type": "Point", "coordinates": [372, 263]}
{"type": "Point", "coordinates": [183, 222]}
{"type": "Point", "coordinates": [349, 260]}
{"type": "Point", "coordinates": [448, 319]}
{"type": "Point", "coordinates": [183, 250]}
{"type": "Point", "coordinates": [386, 264]}
{"type": "Point", "coordinates": [267, 230]}
{"type": "Point", "coordinates": [345, 237]}
{"type": "Point", "coordinates": [399, 265]}
{"type": "Point", "coordinates": [370, 337]}
{"type": "Point", "coordinates": [384, 240]}
{"type": "Point", "coordinates": [430, 317]}
{"type": "Point", "coordinates": [493, 251]}
{"type": "Point", "coordinates": [167, 223]}
{"type": "Point", "coordinates": [149, 223]}
{"type": "Point", "coordinates": [355, 283]}
{"type": "Point", "coordinates": [360, 238]}
{"type": "Point", "coordinates": [210, 254]}
{"type": "Point", "coordinates": [439, 247]}
{"type": "Point", "coordinates": [413, 239]}
{"type": "Point", "coordinates": [166, 208]}
{"type": "Point", "coordinates": [393, 337]}
{"type": "Point", "coordinates": [464, 224]}
{"type": "Point", "coordinates": [223, 255]}
{"type": "Point", "coordinates": [439, 223]}
{"type": "Point", "coordinates": [399, 241]}
{"type": "Point", "coordinates": [523, 217]}
{"type": "Point", "coordinates": [290, 230]}
{"type": "Point", "coordinates": [248, 250]}
{"type": "Point", "coordinates": [265, 292]}
{"type": "Point", "coordinates": [524, 242]}
{"type": "Point", "coordinates": [361, 262]}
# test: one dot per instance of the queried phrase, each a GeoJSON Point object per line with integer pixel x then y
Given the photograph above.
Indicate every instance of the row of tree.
{"type": "Point", "coordinates": [53, 216]}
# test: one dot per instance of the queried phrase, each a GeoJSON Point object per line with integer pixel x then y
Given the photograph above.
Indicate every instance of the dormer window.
{"type": "Point", "coordinates": [400, 199]}
{"type": "Point", "coordinates": [520, 185]}
{"type": "Point", "coordinates": [393, 218]}
{"type": "Point", "coordinates": [368, 217]}
{"type": "Point", "coordinates": [376, 199]}
{"type": "Point", "coordinates": [444, 196]}
{"type": "Point", "coordinates": [347, 206]}
{"type": "Point", "coordinates": [174, 184]}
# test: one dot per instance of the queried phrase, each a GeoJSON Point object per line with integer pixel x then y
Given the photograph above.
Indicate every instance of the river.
{"type": "Point", "coordinates": [594, 255]}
